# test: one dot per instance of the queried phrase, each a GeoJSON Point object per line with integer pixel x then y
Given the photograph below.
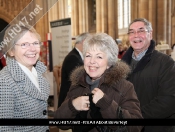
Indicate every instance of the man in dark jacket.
{"type": "Point", "coordinates": [71, 61]}
{"type": "Point", "coordinates": [153, 75]}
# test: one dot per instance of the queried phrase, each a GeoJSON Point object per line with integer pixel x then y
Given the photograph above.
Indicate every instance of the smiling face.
{"type": "Point", "coordinates": [139, 41]}
{"type": "Point", "coordinates": [95, 63]}
{"type": "Point", "coordinates": [28, 56]}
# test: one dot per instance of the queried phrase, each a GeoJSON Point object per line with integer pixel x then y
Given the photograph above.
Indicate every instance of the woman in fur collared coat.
{"type": "Point", "coordinates": [103, 79]}
{"type": "Point", "coordinates": [23, 89]}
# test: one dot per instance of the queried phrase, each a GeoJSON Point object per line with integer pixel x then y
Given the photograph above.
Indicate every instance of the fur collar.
{"type": "Point", "coordinates": [111, 75]}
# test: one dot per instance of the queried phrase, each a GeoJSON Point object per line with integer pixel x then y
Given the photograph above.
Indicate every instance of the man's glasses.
{"type": "Point", "coordinates": [139, 32]}
{"type": "Point", "coordinates": [27, 45]}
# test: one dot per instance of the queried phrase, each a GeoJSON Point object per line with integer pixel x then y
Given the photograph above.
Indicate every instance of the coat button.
{"type": "Point", "coordinates": [44, 112]}
{"type": "Point", "coordinates": [47, 130]}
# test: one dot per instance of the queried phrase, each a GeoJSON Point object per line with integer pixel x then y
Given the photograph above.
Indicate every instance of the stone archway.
{"type": "Point", "coordinates": [6, 16]}
{"type": "Point", "coordinates": [5, 19]}
{"type": "Point", "coordinates": [3, 25]}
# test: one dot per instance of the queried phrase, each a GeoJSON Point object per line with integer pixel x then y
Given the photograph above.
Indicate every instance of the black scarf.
{"type": "Point", "coordinates": [94, 111]}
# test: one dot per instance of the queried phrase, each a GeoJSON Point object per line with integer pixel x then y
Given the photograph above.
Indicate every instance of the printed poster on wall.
{"type": "Point", "coordinates": [61, 39]}
{"type": "Point", "coordinates": [61, 46]}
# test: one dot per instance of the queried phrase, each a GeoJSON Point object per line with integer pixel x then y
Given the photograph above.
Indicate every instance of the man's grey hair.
{"type": "Point", "coordinates": [104, 43]}
{"type": "Point", "coordinates": [146, 23]}
{"type": "Point", "coordinates": [80, 38]}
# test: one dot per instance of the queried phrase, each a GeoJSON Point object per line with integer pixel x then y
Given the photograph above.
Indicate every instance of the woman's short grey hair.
{"type": "Point", "coordinates": [146, 23]}
{"type": "Point", "coordinates": [104, 43]}
{"type": "Point", "coordinates": [13, 33]}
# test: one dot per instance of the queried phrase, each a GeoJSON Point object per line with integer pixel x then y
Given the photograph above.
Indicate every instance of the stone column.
{"type": "Point", "coordinates": [42, 25]}
{"type": "Point", "coordinates": [53, 13]}
{"type": "Point", "coordinates": [173, 22]}
{"type": "Point", "coordinates": [155, 11]}
{"type": "Point", "coordinates": [75, 18]}
{"type": "Point", "coordinates": [104, 16]}
{"type": "Point", "coordinates": [65, 6]}
{"type": "Point", "coordinates": [161, 20]}
{"type": "Point", "coordinates": [111, 18]}
{"type": "Point", "coordinates": [116, 19]}
{"type": "Point", "coordinates": [61, 9]}
{"type": "Point", "coordinates": [134, 9]}
{"type": "Point", "coordinates": [86, 16]}
{"type": "Point", "coordinates": [168, 26]}
{"type": "Point", "coordinates": [152, 13]}
{"type": "Point", "coordinates": [143, 8]}
{"type": "Point", "coordinates": [98, 16]}
{"type": "Point", "coordinates": [83, 21]}
{"type": "Point", "coordinates": [80, 22]}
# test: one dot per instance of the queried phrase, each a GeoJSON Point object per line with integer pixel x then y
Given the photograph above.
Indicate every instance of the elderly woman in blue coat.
{"type": "Point", "coordinates": [23, 89]}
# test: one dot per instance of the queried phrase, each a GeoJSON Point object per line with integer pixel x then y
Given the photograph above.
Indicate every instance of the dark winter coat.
{"type": "Point", "coordinates": [154, 82]}
{"type": "Point", "coordinates": [71, 61]}
{"type": "Point", "coordinates": [117, 92]}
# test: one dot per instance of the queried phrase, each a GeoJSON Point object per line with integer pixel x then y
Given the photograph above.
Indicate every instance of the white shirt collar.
{"type": "Point", "coordinates": [31, 74]}
{"type": "Point", "coordinates": [80, 53]}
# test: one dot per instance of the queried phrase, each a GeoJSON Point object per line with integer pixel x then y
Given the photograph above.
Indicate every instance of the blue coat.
{"type": "Point", "coordinates": [19, 98]}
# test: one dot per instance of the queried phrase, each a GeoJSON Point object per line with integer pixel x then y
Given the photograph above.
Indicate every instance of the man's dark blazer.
{"type": "Point", "coordinates": [71, 61]}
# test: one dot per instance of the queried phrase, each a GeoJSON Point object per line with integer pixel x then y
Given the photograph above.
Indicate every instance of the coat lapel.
{"type": "Point", "coordinates": [25, 84]}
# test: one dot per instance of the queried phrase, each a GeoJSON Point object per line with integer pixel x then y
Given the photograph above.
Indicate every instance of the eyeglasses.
{"type": "Point", "coordinates": [139, 32]}
{"type": "Point", "coordinates": [27, 45]}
